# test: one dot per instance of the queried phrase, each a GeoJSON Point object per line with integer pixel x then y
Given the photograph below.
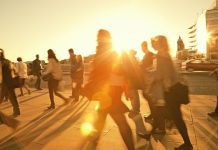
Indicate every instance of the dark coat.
{"type": "Point", "coordinates": [6, 73]}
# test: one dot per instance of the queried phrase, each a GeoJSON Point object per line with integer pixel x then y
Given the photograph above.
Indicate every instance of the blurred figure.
{"type": "Point", "coordinates": [77, 70]}
{"type": "Point", "coordinates": [6, 76]}
{"type": "Point", "coordinates": [167, 75]}
{"type": "Point", "coordinates": [215, 112]}
{"type": "Point", "coordinates": [55, 74]}
{"type": "Point", "coordinates": [106, 85]}
{"type": "Point", "coordinates": [21, 69]}
{"type": "Point", "coordinates": [135, 82]}
{"type": "Point", "coordinates": [36, 70]}
{"type": "Point", "coordinates": [147, 69]}
{"type": "Point", "coordinates": [73, 69]}
{"type": "Point", "coordinates": [134, 77]}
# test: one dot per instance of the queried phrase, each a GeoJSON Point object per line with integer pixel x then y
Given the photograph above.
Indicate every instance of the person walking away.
{"type": "Point", "coordinates": [215, 112]}
{"type": "Point", "coordinates": [6, 76]}
{"type": "Point", "coordinates": [167, 75]}
{"type": "Point", "coordinates": [147, 69]}
{"type": "Point", "coordinates": [36, 70]}
{"type": "Point", "coordinates": [55, 74]}
{"type": "Point", "coordinates": [106, 79]}
{"type": "Point", "coordinates": [21, 69]}
{"type": "Point", "coordinates": [77, 78]}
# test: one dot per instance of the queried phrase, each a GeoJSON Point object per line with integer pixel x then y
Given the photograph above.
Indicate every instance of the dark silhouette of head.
{"type": "Point", "coordinates": [104, 40]}
{"type": "Point", "coordinates": [144, 46]}
{"type": "Point", "coordinates": [37, 56]}
{"type": "Point", "coordinates": [160, 43]}
{"type": "Point", "coordinates": [51, 54]}
{"type": "Point", "coordinates": [19, 59]}
{"type": "Point", "coordinates": [71, 51]}
{"type": "Point", "coordinates": [2, 56]}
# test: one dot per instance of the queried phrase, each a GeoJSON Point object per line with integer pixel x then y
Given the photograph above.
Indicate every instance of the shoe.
{"type": "Point", "coordinates": [16, 114]}
{"type": "Point", "coordinates": [10, 122]}
{"type": "Point", "coordinates": [184, 147]}
{"type": "Point", "coordinates": [51, 107]}
{"type": "Point", "coordinates": [148, 118]}
{"type": "Point", "coordinates": [213, 114]}
{"type": "Point", "coordinates": [144, 136]}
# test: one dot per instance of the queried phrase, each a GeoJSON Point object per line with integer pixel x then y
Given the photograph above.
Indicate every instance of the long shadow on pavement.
{"type": "Point", "coordinates": [26, 136]}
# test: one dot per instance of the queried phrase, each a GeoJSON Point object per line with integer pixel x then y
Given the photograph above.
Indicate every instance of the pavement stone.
{"type": "Point", "coordinates": [42, 129]}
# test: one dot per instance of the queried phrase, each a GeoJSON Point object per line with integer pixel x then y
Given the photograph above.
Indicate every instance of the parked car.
{"type": "Point", "coordinates": [200, 65]}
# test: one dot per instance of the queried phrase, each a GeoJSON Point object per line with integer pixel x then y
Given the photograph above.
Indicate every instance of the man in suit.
{"type": "Point", "coordinates": [36, 70]}
{"type": "Point", "coordinates": [6, 79]}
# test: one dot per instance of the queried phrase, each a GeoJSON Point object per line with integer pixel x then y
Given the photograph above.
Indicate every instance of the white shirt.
{"type": "Point", "coordinates": [21, 69]}
{"type": "Point", "coordinates": [54, 68]}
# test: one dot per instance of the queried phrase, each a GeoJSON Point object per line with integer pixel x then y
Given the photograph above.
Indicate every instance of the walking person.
{"type": "Point", "coordinates": [73, 68]}
{"type": "Point", "coordinates": [77, 78]}
{"type": "Point", "coordinates": [54, 72]}
{"type": "Point", "coordinates": [107, 80]}
{"type": "Point", "coordinates": [215, 112]}
{"type": "Point", "coordinates": [167, 75]}
{"type": "Point", "coordinates": [147, 69]}
{"type": "Point", "coordinates": [36, 70]}
{"type": "Point", "coordinates": [21, 69]}
{"type": "Point", "coordinates": [6, 79]}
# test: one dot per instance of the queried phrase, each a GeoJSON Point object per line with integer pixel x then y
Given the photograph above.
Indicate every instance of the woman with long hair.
{"type": "Point", "coordinates": [106, 77]}
{"type": "Point", "coordinates": [55, 75]}
{"type": "Point", "coordinates": [167, 75]}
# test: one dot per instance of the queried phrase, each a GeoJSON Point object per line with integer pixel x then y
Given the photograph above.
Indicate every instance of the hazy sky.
{"type": "Point", "coordinates": [29, 27]}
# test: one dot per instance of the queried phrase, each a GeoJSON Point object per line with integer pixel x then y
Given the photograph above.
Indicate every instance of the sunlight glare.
{"type": "Point", "coordinates": [202, 34]}
{"type": "Point", "coordinates": [87, 128]}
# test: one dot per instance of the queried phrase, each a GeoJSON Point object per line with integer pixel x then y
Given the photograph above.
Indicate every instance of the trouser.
{"type": "Point", "coordinates": [76, 89]}
{"type": "Point", "coordinates": [38, 81]}
{"type": "Point", "coordinates": [159, 117]}
{"type": "Point", "coordinates": [176, 114]}
{"type": "Point", "coordinates": [134, 98]}
{"type": "Point", "coordinates": [13, 100]}
{"type": "Point", "coordinates": [52, 89]}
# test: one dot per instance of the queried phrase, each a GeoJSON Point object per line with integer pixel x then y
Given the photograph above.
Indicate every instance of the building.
{"type": "Point", "coordinates": [203, 34]}
{"type": "Point", "coordinates": [212, 30]}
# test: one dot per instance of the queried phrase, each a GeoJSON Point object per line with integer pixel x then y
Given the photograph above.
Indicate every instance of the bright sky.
{"type": "Point", "coordinates": [29, 27]}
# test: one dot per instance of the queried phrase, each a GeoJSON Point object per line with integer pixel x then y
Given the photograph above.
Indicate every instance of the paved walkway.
{"type": "Point", "coordinates": [60, 129]}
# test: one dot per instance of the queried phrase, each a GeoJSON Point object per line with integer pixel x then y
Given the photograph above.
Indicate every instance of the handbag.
{"type": "Point", "coordinates": [47, 77]}
{"type": "Point", "coordinates": [178, 94]}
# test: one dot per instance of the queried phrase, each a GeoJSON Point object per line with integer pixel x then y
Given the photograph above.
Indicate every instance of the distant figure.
{"type": "Point", "coordinates": [36, 70]}
{"type": "Point", "coordinates": [106, 84]}
{"type": "Point", "coordinates": [77, 78]}
{"type": "Point", "coordinates": [76, 69]}
{"type": "Point", "coordinates": [148, 69]}
{"type": "Point", "coordinates": [6, 77]}
{"type": "Point", "coordinates": [180, 44]}
{"type": "Point", "coordinates": [215, 112]}
{"type": "Point", "coordinates": [54, 71]}
{"type": "Point", "coordinates": [167, 75]}
{"type": "Point", "coordinates": [21, 69]}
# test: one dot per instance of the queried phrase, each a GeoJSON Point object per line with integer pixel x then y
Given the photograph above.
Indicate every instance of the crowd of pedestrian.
{"type": "Point", "coordinates": [111, 76]}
